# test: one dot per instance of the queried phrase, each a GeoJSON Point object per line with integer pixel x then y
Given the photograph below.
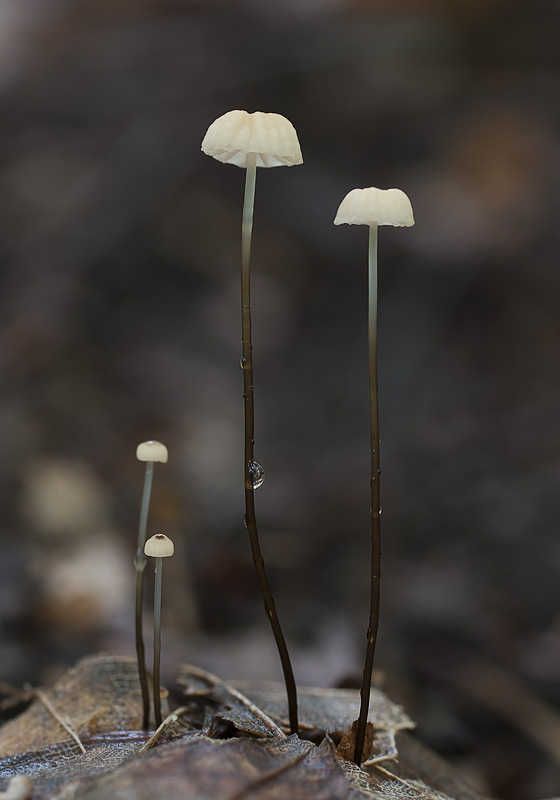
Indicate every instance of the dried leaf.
{"type": "Point", "coordinates": [226, 710]}
{"type": "Point", "coordinates": [382, 785]}
{"type": "Point", "coordinates": [417, 762]}
{"type": "Point", "coordinates": [199, 768]}
{"type": "Point", "coordinates": [419, 774]}
{"type": "Point", "coordinates": [101, 693]}
{"type": "Point", "coordinates": [348, 743]}
{"type": "Point", "coordinates": [332, 711]}
{"type": "Point", "coordinates": [53, 767]}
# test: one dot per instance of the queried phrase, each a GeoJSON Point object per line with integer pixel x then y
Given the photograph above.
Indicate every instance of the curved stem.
{"type": "Point", "coordinates": [140, 565]}
{"type": "Point", "coordinates": [249, 409]}
{"type": "Point", "coordinates": [375, 509]}
{"type": "Point", "coordinates": [157, 640]}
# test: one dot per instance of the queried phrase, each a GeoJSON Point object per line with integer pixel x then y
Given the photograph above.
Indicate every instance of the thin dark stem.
{"type": "Point", "coordinates": [157, 641]}
{"type": "Point", "coordinates": [375, 496]}
{"type": "Point", "coordinates": [140, 651]}
{"type": "Point", "coordinates": [249, 408]}
{"type": "Point", "coordinates": [140, 565]}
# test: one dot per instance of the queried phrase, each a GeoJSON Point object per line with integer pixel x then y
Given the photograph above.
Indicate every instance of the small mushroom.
{"type": "Point", "coordinates": [237, 135]}
{"type": "Point", "coordinates": [251, 141]}
{"type": "Point", "coordinates": [150, 452]}
{"type": "Point", "coordinates": [159, 547]}
{"type": "Point", "coordinates": [373, 207]}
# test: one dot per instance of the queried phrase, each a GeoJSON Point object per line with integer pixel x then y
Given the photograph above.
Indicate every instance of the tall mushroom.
{"type": "Point", "coordinates": [159, 547]}
{"type": "Point", "coordinates": [251, 141]}
{"type": "Point", "coordinates": [373, 207]}
{"type": "Point", "coordinates": [150, 452]}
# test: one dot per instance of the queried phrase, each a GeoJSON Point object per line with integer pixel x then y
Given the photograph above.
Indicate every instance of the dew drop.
{"type": "Point", "coordinates": [257, 472]}
{"type": "Point", "coordinates": [242, 362]}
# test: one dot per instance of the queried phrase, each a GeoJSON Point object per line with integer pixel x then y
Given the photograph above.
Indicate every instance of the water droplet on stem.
{"type": "Point", "coordinates": [257, 473]}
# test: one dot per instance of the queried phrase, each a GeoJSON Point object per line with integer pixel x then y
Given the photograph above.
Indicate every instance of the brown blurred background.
{"type": "Point", "coordinates": [119, 322]}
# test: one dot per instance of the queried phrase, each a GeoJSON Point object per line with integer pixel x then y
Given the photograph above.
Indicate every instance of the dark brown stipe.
{"type": "Point", "coordinates": [140, 564]}
{"type": "Point", "coordinates": [375, 499]}
{"type": "Point", "coordinates": [140, 650]}
{"type": "Point", "coordinates": [249, 413]}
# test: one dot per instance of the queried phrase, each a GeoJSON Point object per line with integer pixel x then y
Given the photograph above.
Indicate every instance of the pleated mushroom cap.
{"type": "Point", "coordinates": [271, 136]}
{"type": "Point", "coordinates": [159, 546]}
{"type": "Point", "coordinates": [152, 451]}
{"type": "Point", "coordinates": [375, 207]}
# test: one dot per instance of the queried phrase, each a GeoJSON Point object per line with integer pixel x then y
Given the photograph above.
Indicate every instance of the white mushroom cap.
{"type": "Point", "coordinates": [375, 207]}
{"type": "Point", "coordinates": [159, 546]}
{"type": "Point", "coordinates": [271, 136]}
{"type": "Point", "coordinates": [152, 451]}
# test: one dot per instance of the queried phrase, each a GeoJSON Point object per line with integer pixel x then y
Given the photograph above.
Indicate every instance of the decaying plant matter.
{"type": "Point", "coordinates": [221, 741]}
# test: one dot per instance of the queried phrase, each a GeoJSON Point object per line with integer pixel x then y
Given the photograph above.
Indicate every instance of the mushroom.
{"type": "Point", "coordinates": [270, 140]}
{"type": "Point", "coordinates": [150, 452]}
{"type": "Point", "coordinates": [373, 207]}
{"type": "Point", "coordinates": [159, 547]}
{"type": "Point", "coordinates": [251, 141]}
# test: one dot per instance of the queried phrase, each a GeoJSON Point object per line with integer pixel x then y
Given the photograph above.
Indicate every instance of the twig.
{"type": "Point", "coordinates": [167, 723]}
{"type": "Point", "coordinates": [49, 706]}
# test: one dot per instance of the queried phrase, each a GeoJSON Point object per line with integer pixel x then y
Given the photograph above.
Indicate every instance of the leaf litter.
{"type": "Point", "coordinates": [333, 711]}
{"type": "Point", "coordinates": [225, 742]}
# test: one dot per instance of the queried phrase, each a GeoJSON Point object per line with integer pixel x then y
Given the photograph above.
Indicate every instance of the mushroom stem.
{"type": "Point", "coordinates": [157, 640]}
{"type": "Point", "coordinates": [249, 410]}
{"type": "Point", "coordinates": [375, 509]}
{"type": "Point", "coordinates": [140, 564]}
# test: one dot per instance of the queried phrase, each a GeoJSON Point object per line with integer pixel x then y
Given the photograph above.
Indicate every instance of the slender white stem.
{"type": "Point", "coordinates": [144, 508]}
{"type": "Point", "coordinates": [246, 325]}
{"type": "Point", "coordinates": [157, 639]}
{"type": "Point", "coordinates": [247, 222]}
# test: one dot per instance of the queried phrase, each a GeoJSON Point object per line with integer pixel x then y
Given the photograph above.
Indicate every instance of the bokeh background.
{"type": "Point", "coordinates": [119, 322]}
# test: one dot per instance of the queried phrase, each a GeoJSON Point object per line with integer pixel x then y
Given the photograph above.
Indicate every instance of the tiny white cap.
{"type": "Point", "coordinates": [375, 207]}
{"type": "Point", "coordinates": [272, 137]}
{"type": "Point", "coordinates": [159, 546]}
{"type": "Point", "coordinates": [152, 451]}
